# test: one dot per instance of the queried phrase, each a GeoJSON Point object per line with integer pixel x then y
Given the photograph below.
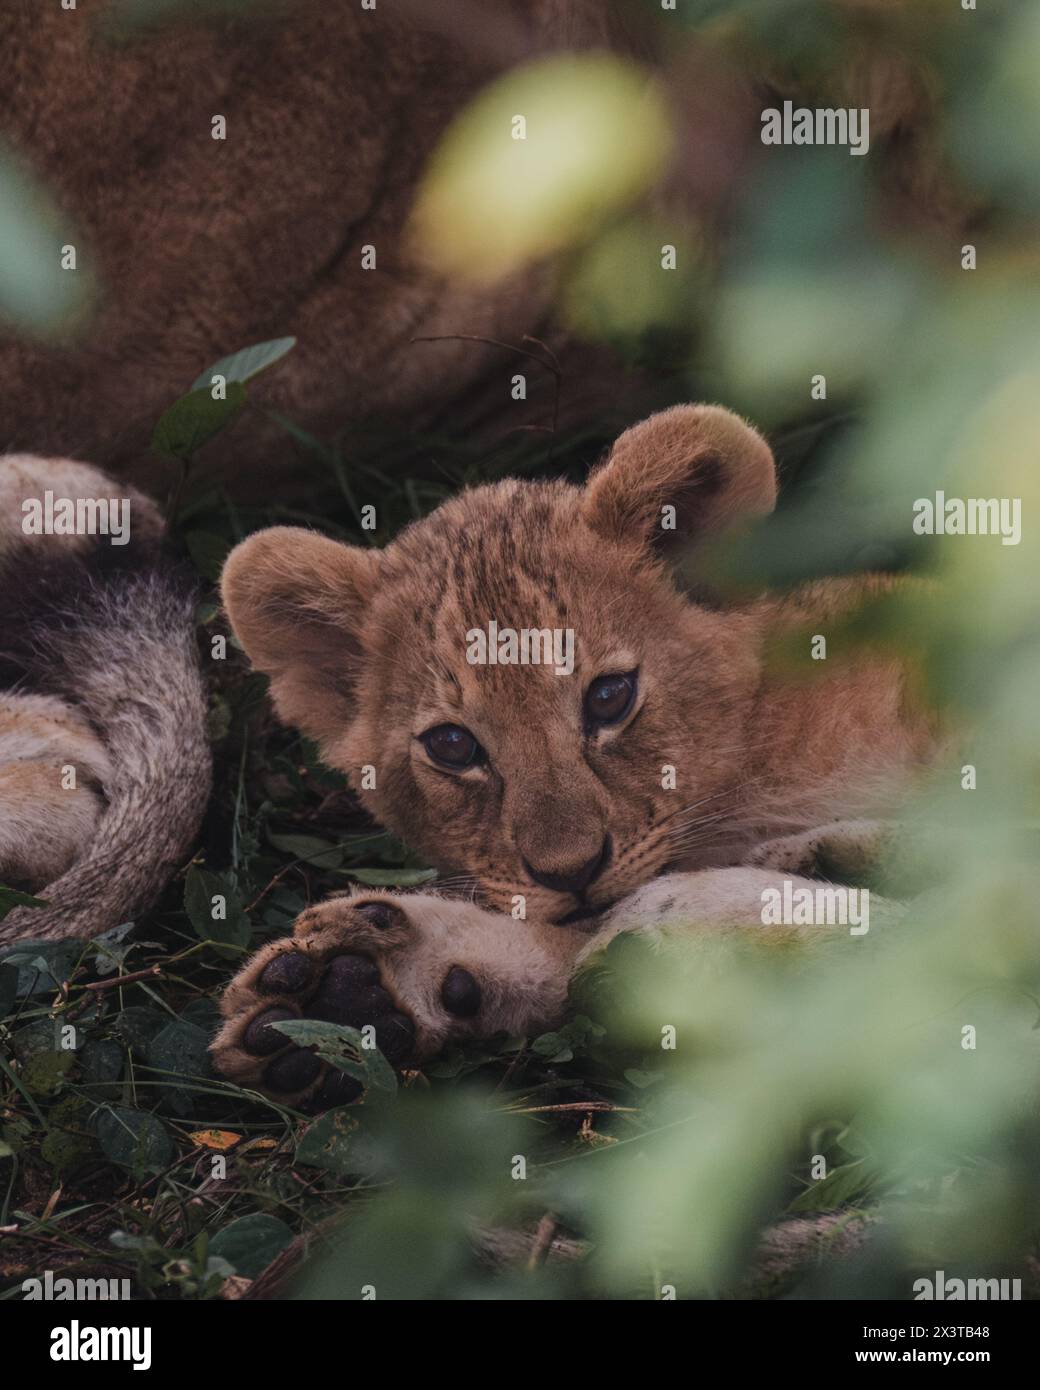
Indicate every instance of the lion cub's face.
{"type": "Point", "coordinates": [515, 686]}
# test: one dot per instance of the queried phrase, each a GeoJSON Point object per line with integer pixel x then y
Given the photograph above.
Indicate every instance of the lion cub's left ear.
{"type": "Point", "coordinates": [297, 602]}
{"type": "Point", "coordinates": [684, 472]}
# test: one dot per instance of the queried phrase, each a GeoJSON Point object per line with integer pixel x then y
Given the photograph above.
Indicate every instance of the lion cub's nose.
{"type": "Point", "coordinates": [574, 880]}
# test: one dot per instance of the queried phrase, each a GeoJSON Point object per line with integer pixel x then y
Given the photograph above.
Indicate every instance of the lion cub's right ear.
{"type": "Point", "coordinates": [702, 463]}
{"type": "Point", "coordinates": [296, 602]}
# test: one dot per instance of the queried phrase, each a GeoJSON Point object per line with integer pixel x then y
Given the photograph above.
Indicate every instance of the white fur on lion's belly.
{"type": "Point", "coordinates": [36, 728]}
{"type": "Point", "coordinates": [51, 767]}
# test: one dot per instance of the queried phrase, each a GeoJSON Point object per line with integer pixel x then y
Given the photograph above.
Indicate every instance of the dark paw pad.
{"type": "Point", "coordinates": [287, 974]}
{"type": "Point", "coordinates": [337, 1089]}
{"type": "Point", "coordinates": [292, 1071]}
{"type": "Point", "coordinates": [460, 993]}
{"type": "Point", "coordinates": [382, 914]}
{"type": "Point", "coordinates": [260, 1038]}
{"type": "Point", "coordinates": [395, 1036]}
{"type": "Point", "coordinates": [350, 993]}
{"type": "Point", "coordinates": [346, 990]}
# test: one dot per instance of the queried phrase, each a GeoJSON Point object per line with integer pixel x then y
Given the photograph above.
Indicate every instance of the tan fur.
{"type": "Point", "coordinates": [106, 683]}
{"type": "Point", "coordinates": [414, 957]}
{"type": "Point", "coordinates": [366, 651]}
{"type": "Point", "coordinates": [40, 727]}
{"type": "Point", "coordinates": [45, 826]}
{"type": "Point", "coordinates": [29, 477]}
{"type": "Point", "coordinates": [523, 969]}
{"type": "Point", "coordinates": [332, 111]}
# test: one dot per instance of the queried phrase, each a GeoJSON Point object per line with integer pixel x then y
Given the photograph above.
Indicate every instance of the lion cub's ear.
{"type": "Point", "coordinates": [296, 601]}
{"type": "Point", "coordinates": [700, 460]}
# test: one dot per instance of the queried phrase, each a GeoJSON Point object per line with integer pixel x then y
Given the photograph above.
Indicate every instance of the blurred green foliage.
{"type": "Point", "coordinates": [38, 294]}
{"type": "Point", "coordinates": [669, 1164]}
{"type": "Point", "coordinates": [933, 371]}
{"type": "Point", "coordinates": [555, 145]}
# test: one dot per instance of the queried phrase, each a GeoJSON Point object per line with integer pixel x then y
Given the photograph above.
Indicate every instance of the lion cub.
{"type": "Point", "coordinates": [518, 687]}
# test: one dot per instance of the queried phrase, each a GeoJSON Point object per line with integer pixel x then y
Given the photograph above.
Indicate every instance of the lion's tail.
{"type": "Point", "coordinates": [104, 760]}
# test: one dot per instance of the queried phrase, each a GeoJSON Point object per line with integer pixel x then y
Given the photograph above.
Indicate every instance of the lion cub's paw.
{"type": "Point", "coordinates": [394, 963]}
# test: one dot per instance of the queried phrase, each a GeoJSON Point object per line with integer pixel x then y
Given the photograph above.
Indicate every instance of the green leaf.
{"type": "Point", "coordinates": [208, 552]}
{"type": "Point", "coordinates": [138, 1024]}
{"type": "Point", "coordinates": [11, 898]}
{"type": "Point", "coordinates": [68, 1141]}
{"type": "Point", "coordinates": [342, 1047]}
{"type": "Point", "coordinates": [180, 1048]}
{"type": "Point", "coordinates": [20, 1085]}
{"type": "Point", "coordinates": [101, 1067]}
{"type": "Point", "coordinates": [109, 950]}
{"type": "Point", "coordinates": [581, 1030]}
{"type": "Point", "coordinates": [39, 1035]}
{"type": "Point", "coordinates": [323, 854]}
{"type": "Point", "coordinates": [194, 419]}
{"type": "Point", "coordinates": [44, 1072]}
{"type": "Point", "coordinates": [8, 987]}
{"type": "Point", "coordinates": [311, 1032]}
{"type": "Point", "coordinates": [204, 1014]}
{"type": "Point", "coordinates": [459, 1061]}
{"type": "Point", "coordinates": [201, 886]}
{"type": "Point", "coordinates": [560, 1046]}
{"type": "Point", "coordinates": [449, 1064]}
{"type": "Point", "coordinates": [326, 1143]}
{"type": "Point", "coordinates": [250, 1243]}
{"type": "Point", "coordinates": [392, 878]}
{"type": "Point", "coordinates": [43, 965]}
{"type": "Point", "coordinates": [246, 363]}
{"type": "Point", "coordinates": [840, 1185]}
{"type": "Point", "coordinates": [134, 1140]}
{"type": "Point", "coordinates": [18, 1133]}
{"type": "Point", "coordinates": [218, 716]}
{"type": "Point", "coordinates": [553, 1046]}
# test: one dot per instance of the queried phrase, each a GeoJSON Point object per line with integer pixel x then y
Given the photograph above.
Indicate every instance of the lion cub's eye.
{"type": "Point", "coordinates": [452, 745]}
{"type": "Point", "coordinates": [609, 698]}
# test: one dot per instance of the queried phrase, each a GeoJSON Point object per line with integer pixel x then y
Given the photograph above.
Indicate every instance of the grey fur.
{"type": "Point", "coordinates": [125, 653]}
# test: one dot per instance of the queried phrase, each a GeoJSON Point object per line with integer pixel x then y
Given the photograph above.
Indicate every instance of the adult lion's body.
{"type": "Point", "coordinates": [201, 246]}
